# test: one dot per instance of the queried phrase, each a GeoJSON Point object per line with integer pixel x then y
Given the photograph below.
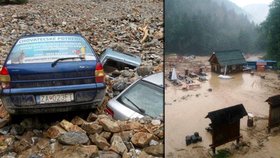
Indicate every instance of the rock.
{"type": "Point", "coordinates": [88, 150]}
{"type": "Point", "coordinates": [73, 138]}
{"type": "Point", "coordinates": [109, 125]}
{"type": "Point", "coordinates": [5, 130]}
{"type": "Point", "coordinates": [143, 154]}
{"type": "Point", "coordinates": [21, 145]}
{"type": "Point", "coordinates": [68, 126]}
{"type": "Point", "coordinates": [64, 23]}
{"type": "Point", "coordinates": [17, 129]}
{"type": "Point", "coordinates": [155, 150]}
{"type": "Point", "coordinates": [119, 85]}
{"type": "Point", "coordinates": [99, 141]}
{"type": "Point", "coordinates": [3, 112]}
{"type": "Point", "coordinates": [31, 123]}
{"type": "Point", "coordinates": [4, 122]}
{"type": "Point", "coordinates": [153, 142]}
{"type": "Point", "coordinates": [116, 73]}
{"type": "Point", "coordinates": [141, 139]}
{"type": "Point", "coordinates": [78, 121]}
{"type": "Point", "coordinates": [55, 131]}
{"type": "Point", "coordinates": [156, 122]}
{"type": "Point", "coordinates": [159, 35]}
{"type": "Point", "coordinates": [77, 152]}
{"type": "Point", "coordinates": [92, 117]}
{"type": "Point", "coordinates": [10, 155]}
{"type": "Point", "coordinates": [127, 73]}
{"type": "Point", "coordinates": [159, 133]}
{"type": "Point", "coordinates": [125, 135]}
{"type": "Point", "coordinates": [144, 70]}
{"type": "Point", "coordinates": [106, 135]}
{"type": "Point", "coordinates": [127, 126]}
{"type": "Point", "coordinates": [92, 128]}
{"type": "Point", "coordinates": [118, 145]}
{"type": "Point", "coordinates": [43, 143]}
{"type": "Point", "coordinates": [108, 154]}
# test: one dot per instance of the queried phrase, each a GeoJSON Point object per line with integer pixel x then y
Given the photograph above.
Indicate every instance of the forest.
{"type": "Point", "coordinates": [271, 31]}
{"type": "Point", "coordinates": [203, 26]}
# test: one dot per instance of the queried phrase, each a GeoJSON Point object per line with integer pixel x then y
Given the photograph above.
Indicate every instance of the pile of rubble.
{"type": "Point", "coordinates": [97, 136]}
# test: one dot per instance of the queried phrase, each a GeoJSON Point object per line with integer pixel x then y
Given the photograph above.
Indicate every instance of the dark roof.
{"type": "Point", "coordinates": [229, 57]}
{"type": "Point", "coordinates": [274, 100]}
{"type": "Point", "coordinates": [227, 115]}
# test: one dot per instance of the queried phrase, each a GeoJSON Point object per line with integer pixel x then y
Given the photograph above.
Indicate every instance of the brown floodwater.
{"type": "Point", "coordinates": [185, 111]}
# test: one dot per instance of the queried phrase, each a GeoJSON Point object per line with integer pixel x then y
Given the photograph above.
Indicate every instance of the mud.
{"type": "Point", "coordinates": [185, 111]}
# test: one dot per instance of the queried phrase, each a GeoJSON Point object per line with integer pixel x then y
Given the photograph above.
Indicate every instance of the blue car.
{"type": "Point", "coordinates": [49, 73]}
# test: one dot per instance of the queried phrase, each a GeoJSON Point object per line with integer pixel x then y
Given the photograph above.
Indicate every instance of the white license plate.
{"type": "Point", "coordinates": [56, 98]}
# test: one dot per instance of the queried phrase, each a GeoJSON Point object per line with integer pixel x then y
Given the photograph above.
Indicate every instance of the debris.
{"type": "Point", "coordinates": [193, 138]}
{"type": "Point", "coordinates": [145, 31]}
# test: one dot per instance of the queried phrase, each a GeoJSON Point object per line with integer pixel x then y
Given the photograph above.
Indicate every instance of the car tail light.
{"type": "Point", "coordinates": [109, 111]}
{"type": "Point", "coordinates": [5, 78]}
{"type": "Point", "coordinates": [99, 73]}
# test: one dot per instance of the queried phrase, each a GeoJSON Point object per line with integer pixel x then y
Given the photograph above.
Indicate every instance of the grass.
{"type": "Point", "coordinates": [223, 153]}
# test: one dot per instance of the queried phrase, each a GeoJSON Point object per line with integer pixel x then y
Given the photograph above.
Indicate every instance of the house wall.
{"type": "Point", "coordinates": [230, 69]}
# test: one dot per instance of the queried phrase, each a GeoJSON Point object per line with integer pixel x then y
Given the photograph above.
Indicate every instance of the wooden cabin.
{"type": "Point", "coordinates": [274, 111]}
{"type": "Point", "coordinates": [231, 60]}
{"type": "Point", "coordinates": [225, 125]}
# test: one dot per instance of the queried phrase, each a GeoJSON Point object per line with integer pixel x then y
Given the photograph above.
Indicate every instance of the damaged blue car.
{"type": "Point", "coordinates": [51, 73]}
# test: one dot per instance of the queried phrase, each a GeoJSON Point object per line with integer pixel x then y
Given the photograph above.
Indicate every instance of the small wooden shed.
{"type": "Point", "coordinates": [274, 111]}
{"type": "Point", "coordinates": [225, 124]}
{"type": "Point", "coordinates": [228, 60]}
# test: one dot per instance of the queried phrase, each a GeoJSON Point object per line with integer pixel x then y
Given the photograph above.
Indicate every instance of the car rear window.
{"type": "Point", "coordinates": [40, 49]}
{"type": "Point", "coordinates": [146, 96]}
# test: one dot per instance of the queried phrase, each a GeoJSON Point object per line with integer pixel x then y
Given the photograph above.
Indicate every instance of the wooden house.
{"type": "Point", "coordinates": [225, 124]}
{"type": "Point", "coordinates": [229, 60]}
{"type": "Point", "coordinates": [274, 111]}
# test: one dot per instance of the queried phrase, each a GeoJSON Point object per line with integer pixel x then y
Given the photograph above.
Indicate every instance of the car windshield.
{"type": "Point", "coordinates": [39, 49]}
{"type": "Point", "coordinates": [146, 96]}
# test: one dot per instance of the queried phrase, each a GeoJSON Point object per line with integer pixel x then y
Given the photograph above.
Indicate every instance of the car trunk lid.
{"type": "Point", "coordinates": [44, 75]}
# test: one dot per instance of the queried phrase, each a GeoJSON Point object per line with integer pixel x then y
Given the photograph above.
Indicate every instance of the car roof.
{"type": "Point", "coordinates": [156, 79]}
{"type": "Point", "coordinates": [50, 34]}
{"type": "Point", "coordinates": [124, 57]}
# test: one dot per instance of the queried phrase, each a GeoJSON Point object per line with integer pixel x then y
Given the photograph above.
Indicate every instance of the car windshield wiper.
{"type": "Point", "coordinates": [140, 109]}
{"type": "Point", "coordinates": [67, 58]}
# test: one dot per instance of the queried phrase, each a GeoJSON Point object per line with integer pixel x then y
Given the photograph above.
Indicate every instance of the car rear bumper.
{"type": "Point", "coordinates": [25, 100]}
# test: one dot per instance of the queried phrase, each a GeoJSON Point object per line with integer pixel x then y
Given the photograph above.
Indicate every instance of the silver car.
{"type": "Point", "coordinates": [142, 98]}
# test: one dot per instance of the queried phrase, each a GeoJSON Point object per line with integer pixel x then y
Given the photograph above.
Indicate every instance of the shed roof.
{"type": "Point", "coordinates": [229, 57]}
{"type": "Point", "coordinates": [227, 115]}
{"type": "Point", "coordinates": [274, 100]}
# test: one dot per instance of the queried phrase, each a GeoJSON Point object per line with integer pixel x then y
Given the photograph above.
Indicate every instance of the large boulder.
{"type": "Point", "coordinates": [99, 141]}
{"type": "Point", "coordinates": [118, 145]}
{"type": "Point", "coordinates": [109, 125]}
{"type": "Point", "coordinates": [92, 128]}
{"type": "Point", "coordinates": [141, 139]}
{"type": "Point", "coordinates": [73, 138]}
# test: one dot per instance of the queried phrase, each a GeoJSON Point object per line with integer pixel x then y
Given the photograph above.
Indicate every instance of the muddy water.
{"type": "Point", "coordinates": [185, 111]}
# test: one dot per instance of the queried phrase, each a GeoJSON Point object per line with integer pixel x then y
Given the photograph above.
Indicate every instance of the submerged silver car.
{"type": "Point", "coordinates": [143, 97]}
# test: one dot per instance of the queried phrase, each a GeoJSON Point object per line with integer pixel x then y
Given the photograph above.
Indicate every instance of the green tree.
{"type": "Point", "coordinates": [272, 27]}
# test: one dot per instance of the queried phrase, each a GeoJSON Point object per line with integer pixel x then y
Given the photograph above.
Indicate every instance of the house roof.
{"type": "Point", "coordinates": [229, 57]}
{"type": "Point", "coordinates": [274, 100]}
{"type": "Point", "coordinates": [227, 115]}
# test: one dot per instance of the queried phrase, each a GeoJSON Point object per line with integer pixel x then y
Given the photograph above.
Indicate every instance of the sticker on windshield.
{"type": "Point", "coordinates": [49, 49]}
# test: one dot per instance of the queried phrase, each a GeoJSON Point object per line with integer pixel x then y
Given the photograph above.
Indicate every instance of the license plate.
{"type": "Point", "coordinates": [56, 98]}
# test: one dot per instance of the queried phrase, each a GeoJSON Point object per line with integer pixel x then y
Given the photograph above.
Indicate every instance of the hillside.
{"type": "Point", "coordinates": [202, 26]}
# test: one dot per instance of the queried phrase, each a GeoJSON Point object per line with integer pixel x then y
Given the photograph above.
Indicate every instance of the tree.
{"type": "Point", "coordinates": [272, 27]}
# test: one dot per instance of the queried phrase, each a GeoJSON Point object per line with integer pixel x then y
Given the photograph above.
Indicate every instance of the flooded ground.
{"type": "Point", "coordinates": [185, 113]}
